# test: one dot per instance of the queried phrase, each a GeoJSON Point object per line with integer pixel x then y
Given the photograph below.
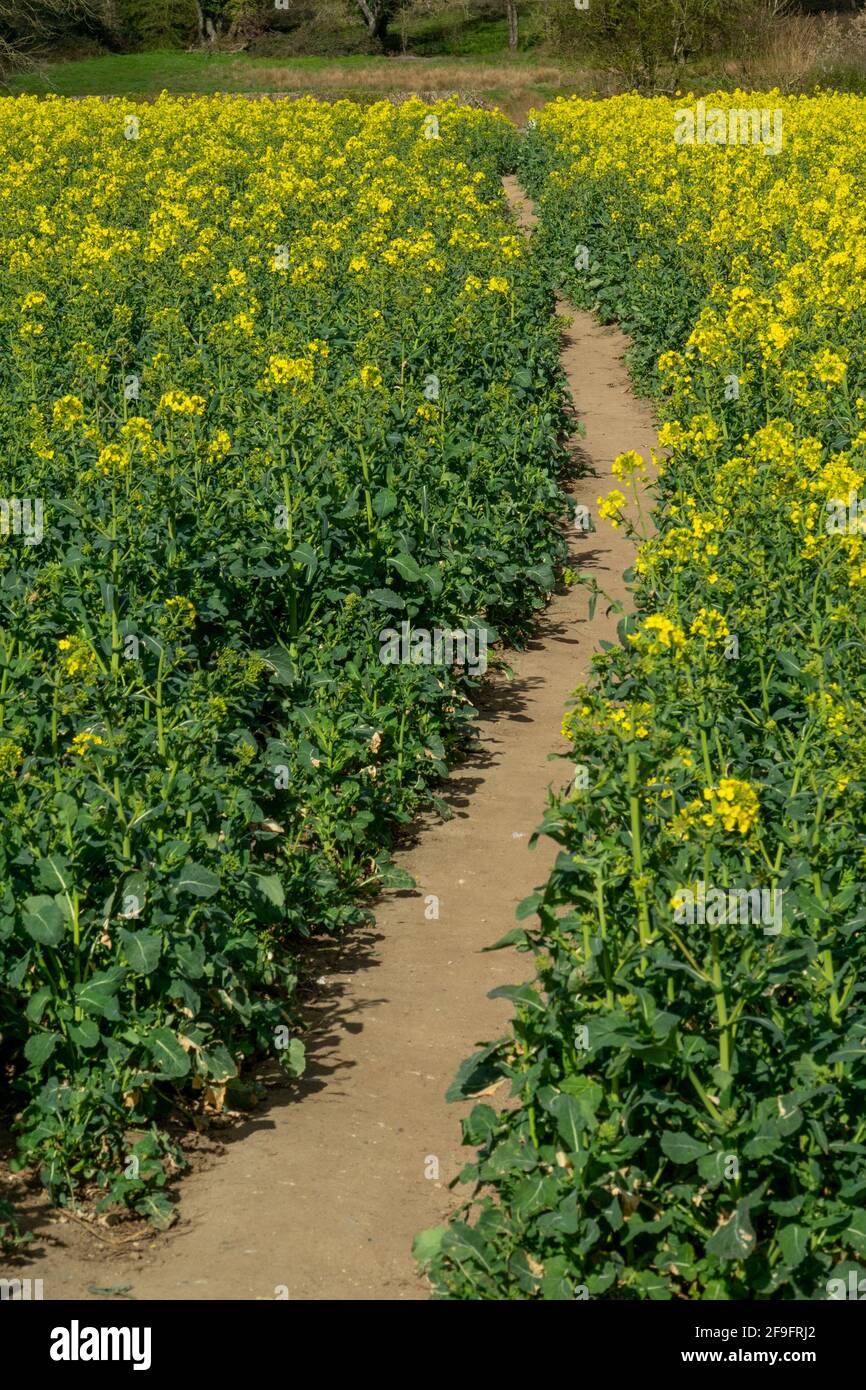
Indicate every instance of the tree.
{"type": "Point", "coordinates": [644, 41]}
{"type": "Point", "coordinates": [158, 23]}
{"type": "Point", "coordinates": [27, 26]}
{"type": "Point", "coordinates": [378, 15]}
{"type": "Point", "coordinates": [511, 11]}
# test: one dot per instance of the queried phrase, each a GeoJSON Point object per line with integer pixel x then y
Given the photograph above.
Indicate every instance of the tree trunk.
{"type": "Point", "coordinates": [511, 8]}
{"type": "Point", "coordinates": [377, 17]}
{"type": "Point", "coordinates": [369, 16]}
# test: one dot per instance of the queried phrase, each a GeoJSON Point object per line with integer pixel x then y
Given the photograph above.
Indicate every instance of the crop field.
{"type": "Point", "coordinates": [273, 381]}
{"type": "Point", "coordinates": [287, 459]}
{"type": "Point", "coordinates": [689, 1057]}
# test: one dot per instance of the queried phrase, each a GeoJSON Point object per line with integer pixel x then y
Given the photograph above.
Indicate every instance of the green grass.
{"type": "Point", "coordinates": [147, 74]}
{"type": "Point", "coordinates": [484, 37]}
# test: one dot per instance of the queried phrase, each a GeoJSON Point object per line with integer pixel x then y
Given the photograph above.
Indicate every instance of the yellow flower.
{"type": "Point", "coordinates": [371, 377]}
{"type": "Point", "coordinates": [828, 367]}
{"type": "Point", "coordinates": [179, 403]}
{"type": "Point", "coordinates": [632, 721]}
{"type": "Point", "coordinates": [67, 412]}
{"type": "Point", "coordinates": [290, 371]}
{"type": "Point", "coordinates": [735, 803]}
{"type": "Point", "coordinates": [778, 336]}
{"type": "Point", "coordinates": [610, 507]}
{"type": "Point", "coordinates": [711, 624]}
{"type": "Point", "coordinates": [79, 659]}
{"type": "Point", "coordinates": [112, 459]}
{"type": "Point", "coordinates": [181, 610]}
{"type": "Point", "coordinates": [658, 634]}
{"type": "Point", "coordinates": [625, 465]}
{"type": "Point", "coordinates": [11, 758]}
{"type": "Point", "coordinates": [219, 446]}
{"type": "Point", "coordinates": [82, 743]}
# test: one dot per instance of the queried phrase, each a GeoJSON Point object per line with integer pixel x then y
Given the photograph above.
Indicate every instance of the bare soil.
{"type": "Point", "coordinates": [319, 1194]}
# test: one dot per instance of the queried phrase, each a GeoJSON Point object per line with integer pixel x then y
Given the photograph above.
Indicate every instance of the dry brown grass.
{"type": "Point", "coordinates": [799, 49]}
{"type": "Point", "coordinates": [388, 73]}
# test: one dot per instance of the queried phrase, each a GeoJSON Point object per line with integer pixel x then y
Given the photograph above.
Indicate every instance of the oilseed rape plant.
{"type": "Point", "coordinates": [688, 1093]}
{"type": "Point", "coordinates": [219, 323]}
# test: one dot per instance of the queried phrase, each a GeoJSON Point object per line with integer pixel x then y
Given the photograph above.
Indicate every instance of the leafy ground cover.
{"type": "Point", "coordinates": [686, 1067]}
{"type": "Point", "coordinates": [275, 377]}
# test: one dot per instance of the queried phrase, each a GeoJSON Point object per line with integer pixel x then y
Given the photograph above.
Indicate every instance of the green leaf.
{"type": "Point", "coordinates": [854, 1233]}
{"type": "Point", "coordinates": [555, 1287]}
{"type": "Point", "coordinates": [682, 1148]}
{"type": "Point", "coordinates": [280, 664]}
{"type": "Point", "coordinates": [386, 598]}
{"type": "Point", "coordinates": [516, 937]}
{"type": "Point", "coordinates": [734, 1239]}
{"type": "Point", "coordinates": [170, 1059]}
{"type": "Point", "coordinates": [390, 876]}
{"type": "Point", "coordinates": [465, 1243]}
{"type": "Point", "coordinates": [570, 1120]}
{"type": "Point", "coordinates": [535, 1194]}
{"type": "Point", "coordinates": [270, 886]}
{"type": "Point", "coordinates": [384, 502]}
{"type": "Point", "coordinates": [427, 1244]}
{"type": "Point", "coordinates": [36, 1004]}
{"type": "Point", "coordinates": [651, 1285]}
{"type": "Point", "coordinates": [588, 1094]}
{"type": "Point", "coordinates": [190, 957]}
{"type": "Point", "coordinates": [406, 567]}
{"type": "Point", "coordinates": [474, 1074]}
{"type": "Point", "coordinates": [712, 1166]}
{"type": "Point", "coordinates": [97, 995]}
{"type": "Point", "coordinates": [219, 1063]}
{"type": "Point", "coordinates": [142, 950]}
{"type": "Point", "coordinates": [304, 554]}
{"type": "Point", "coordinates": [85, 1034]}
{"type": "Point", "coordinates": [295, 1058]}
{"type": "Point", "coordinates": [39, 1048]}
{"type": "Point", "coordinates": [54, 873]}
{"type": "Point", "coordinates": [43, 920]}
{"type": "Point", "coordinates": [157, 1208]}
{"type": "Point", "coordinates": [133, 895]}
{"type": "Point", "coordinates": [793, 1242]}
{"type": "Point", "coordinates": [196, 879]}
{"type": "Point", "coordinates": [528, 906]}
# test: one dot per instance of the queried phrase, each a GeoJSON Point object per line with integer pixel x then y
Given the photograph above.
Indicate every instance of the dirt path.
{"type": "Point", "coordinates": [323, 1196]}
